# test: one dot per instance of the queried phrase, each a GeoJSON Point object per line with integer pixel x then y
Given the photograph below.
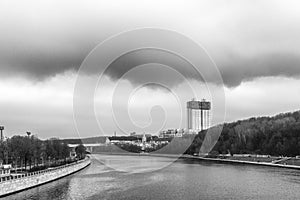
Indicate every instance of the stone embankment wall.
{"type": "Point", "coordinates": [29, 180]}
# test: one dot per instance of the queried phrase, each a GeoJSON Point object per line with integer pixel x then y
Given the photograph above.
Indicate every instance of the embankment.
{"type": "Point", "coordinates": [25, 181]}
{"type": "Point", "coordinates": [269, 164]}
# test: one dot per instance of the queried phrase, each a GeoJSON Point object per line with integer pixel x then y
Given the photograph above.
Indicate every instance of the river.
{"type": "Point", "coordinates": [162, 178]}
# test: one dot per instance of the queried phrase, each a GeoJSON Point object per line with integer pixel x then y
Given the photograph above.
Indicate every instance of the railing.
{"type": "Point", "coordinates": [14, 177]}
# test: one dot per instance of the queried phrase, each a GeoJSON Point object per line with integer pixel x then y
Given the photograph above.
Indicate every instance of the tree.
{"type": "Point", "coordinates": [3, 149]}
{"type": "Point", "coordinates": [278, 135]}
{"type": "Point", "coordinates": [80, 151]}
{"type": "Point", "coordinates": [21, 151]}
{"type": "Point", "coordinates": [65, 151]}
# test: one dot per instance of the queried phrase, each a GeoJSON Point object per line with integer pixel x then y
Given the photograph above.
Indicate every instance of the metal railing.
{"type": "Point", "coordinates": [19, 176]}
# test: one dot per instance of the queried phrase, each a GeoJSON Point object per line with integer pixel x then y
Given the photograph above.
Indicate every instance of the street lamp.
{"type": "Point", "coordinates": [1, 129]}
{"type": "Point", "coordinates": [28, 134]}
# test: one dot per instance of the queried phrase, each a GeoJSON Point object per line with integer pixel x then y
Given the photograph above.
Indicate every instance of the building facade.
{"type": "Point", "coordinates": [198, 115]}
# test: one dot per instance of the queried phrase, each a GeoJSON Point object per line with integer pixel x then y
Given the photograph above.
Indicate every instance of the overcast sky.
{"type": "Point", "coordinates": [255, 45]}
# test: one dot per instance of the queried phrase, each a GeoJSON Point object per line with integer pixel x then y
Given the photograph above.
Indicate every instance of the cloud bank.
{"type": "Point", "coordinates": [44, 40]}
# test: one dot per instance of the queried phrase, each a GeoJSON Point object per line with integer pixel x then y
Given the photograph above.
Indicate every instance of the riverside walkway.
{"type": "Point", "coordinates": [13, 184]}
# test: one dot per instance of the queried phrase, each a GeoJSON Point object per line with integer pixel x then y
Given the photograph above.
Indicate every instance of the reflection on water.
{"type": "Point", "coordinates": [184, 179]}
{"type": "Point", "coordinates": [53, 190]}
{"type": "Point", "coordinates": [135, 164]}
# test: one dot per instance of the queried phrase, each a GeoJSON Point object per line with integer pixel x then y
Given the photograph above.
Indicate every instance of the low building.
{"type": "Point", "coordinates": [171, 133]}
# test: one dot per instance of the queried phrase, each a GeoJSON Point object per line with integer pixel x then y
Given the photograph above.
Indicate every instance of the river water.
{"type": "Point", "coordinates": [162, 178]}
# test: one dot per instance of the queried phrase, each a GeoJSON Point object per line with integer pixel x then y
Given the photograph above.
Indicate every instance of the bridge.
{"type": "Point", "coordinates": [89, 147]}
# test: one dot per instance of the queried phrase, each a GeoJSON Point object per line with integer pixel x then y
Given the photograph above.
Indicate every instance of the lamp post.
{"type": "Point", "coordinates": [1, 129]}
{"type": "Point", "coordinates": [28, 133]}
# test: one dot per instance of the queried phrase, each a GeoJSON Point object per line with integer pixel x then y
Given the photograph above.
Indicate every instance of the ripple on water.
{"type": "Point", "coordinates": [180, 180]}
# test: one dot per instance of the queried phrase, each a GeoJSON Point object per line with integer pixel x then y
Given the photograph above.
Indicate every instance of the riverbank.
{"type": "Point", "coordinates": [246, 160]}
{"type": "Point", "coordinates": [269, 164]}
{"type": "Point", "coordinates": [30, 180]}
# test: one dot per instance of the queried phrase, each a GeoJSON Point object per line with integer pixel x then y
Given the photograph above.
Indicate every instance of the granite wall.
{"type": "Point", "coordinates": [29, 180]}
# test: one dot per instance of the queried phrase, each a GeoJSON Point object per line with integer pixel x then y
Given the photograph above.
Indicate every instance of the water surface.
{"type": "Point", "coordinates": [141, 178]}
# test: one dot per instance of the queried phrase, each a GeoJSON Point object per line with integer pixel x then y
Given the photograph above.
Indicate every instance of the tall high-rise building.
{"type": "Point", "coordinates": [198, 115]}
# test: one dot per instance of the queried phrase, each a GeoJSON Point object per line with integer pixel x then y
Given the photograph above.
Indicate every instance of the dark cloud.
{"type": "Point", "coordinates": [38, 64]}
{"type": "Point", "coordinates": [234, 69]}
{"type": "Point", "coordinates": [178, 68]}
{"type": "Point", "coordinates": [239, 69]}
{"type": "Point", "coordinates": [42, 40]}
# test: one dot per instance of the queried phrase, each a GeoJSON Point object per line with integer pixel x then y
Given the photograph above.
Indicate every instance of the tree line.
{"type": "Point", "coordinates": [277, 136]}
{"type": "Point", "coordinates": [23, 151]}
